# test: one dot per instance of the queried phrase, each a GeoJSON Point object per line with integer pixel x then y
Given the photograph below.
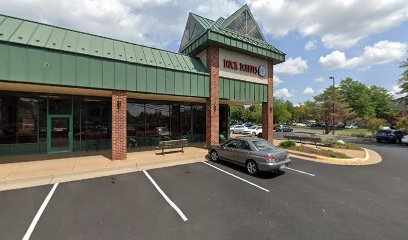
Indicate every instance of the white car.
{"type": "Point", "coordinates": [253, 131]}
{"type": "Point", "coordinates": [237, 129]}
{"type": "Point", "coordinates": [404, 139]}
{"type": "Point", "coordinates": [301, 125]}
{"type": "Point", "coordinates": [351, 126]}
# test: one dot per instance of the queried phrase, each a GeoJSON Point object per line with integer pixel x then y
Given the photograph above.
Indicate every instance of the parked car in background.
{"type": "Point", "coordinates": [253, 131]}
{"type": "Point", "coordinates": [237, 129]}
{"type": "Point", "coordinates": [351, 126]}
{"type": "Point", "coordinates": [390, 136]}
{"type": "Point", "coordinates": [253, 153]}
{"type": "Point", "coordinates": [283, 128]}
{"type": "Point", "coordinates": [404, 139]}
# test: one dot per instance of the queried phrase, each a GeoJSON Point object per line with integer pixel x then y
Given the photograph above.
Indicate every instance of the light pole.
{"type": "Point", "coordinates": [334, 101]}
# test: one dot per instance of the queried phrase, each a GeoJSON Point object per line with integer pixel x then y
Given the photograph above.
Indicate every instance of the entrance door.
{"type": "Point", "coordinates": [59, 133]}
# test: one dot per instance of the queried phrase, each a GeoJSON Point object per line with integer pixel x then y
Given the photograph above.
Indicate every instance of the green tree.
{"type": "Point", "coordinates": [281, 113]}
{"type": "Point", "coordinates": [382, 102]}
{"type": "Point", "coordinates": [326, 100]}
{"type": "Point", "coordinates": [404, 77]}
{"type": "Point", "coordinates": [374, 124]}
{"type": "Point", "coordinates": [403, 123]}
{"type": "Point", "coordinates": [237, 113]}
{"type": "Point", "coordinates": [357, 95]}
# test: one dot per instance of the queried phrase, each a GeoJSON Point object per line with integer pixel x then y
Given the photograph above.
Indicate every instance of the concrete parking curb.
{"type": "Point", "coordinates": [366, 160]}
{"type": "Point", "coordinates": [26, 182]}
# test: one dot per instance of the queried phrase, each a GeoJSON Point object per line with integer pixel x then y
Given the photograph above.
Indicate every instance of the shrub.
{"type": "Point", "coordinates": [403, 123]}
{"type": "Point", "coordinates": [375, 124]}
{"type": "Point", "coordinates": [287, 144]}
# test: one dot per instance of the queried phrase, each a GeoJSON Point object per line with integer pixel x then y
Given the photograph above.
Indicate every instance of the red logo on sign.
{"type": "Point", "coordinates": [240, 66]}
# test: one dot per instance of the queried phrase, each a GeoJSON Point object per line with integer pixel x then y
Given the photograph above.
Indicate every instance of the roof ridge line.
{"type": "Point", "coordinates": [91, 34]}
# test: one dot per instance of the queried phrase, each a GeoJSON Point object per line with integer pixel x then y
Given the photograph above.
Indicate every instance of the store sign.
{"type": "Point", "coordinates": [258, 70]}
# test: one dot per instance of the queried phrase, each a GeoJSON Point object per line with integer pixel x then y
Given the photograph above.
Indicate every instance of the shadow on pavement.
{"type": "Point", "coordinates": [261, 175]}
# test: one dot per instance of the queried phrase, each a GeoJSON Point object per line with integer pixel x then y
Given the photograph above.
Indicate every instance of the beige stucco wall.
{"type": "Point", "coordinates": [241, 58]}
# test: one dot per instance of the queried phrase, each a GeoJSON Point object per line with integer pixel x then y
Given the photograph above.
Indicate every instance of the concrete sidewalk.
{"type": "Point", "coordinates": [35, 170]}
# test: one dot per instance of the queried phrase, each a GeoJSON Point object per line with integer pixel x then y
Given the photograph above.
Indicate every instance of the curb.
{"type": "Point", "coordinates": [340, 161]}
{"type": "Point", "coordinates": [25, 182]}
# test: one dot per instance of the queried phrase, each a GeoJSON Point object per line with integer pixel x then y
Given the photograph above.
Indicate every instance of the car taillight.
{"type": "Point", "coordinates": [269, 158]}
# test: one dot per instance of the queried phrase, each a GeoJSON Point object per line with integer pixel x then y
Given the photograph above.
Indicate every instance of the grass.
{"type": "Point", "coordinates": [291, 145]}
{"type": "Point", "coordinates": [361, 132]}
{"type": "Point", "coordinates": [322, 152]}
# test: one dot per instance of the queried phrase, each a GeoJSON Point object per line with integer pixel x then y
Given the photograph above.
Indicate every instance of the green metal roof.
{"type": "Point", "coordinates": [24, 32]}
{"type": "Point", "coordinates": [217, 33]}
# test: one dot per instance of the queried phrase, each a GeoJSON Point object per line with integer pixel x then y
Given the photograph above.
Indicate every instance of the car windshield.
{"type": "Point", "coordinates": [264, 145]}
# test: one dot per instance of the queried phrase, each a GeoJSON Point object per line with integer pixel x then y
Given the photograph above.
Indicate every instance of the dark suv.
{"type": "Point", "coordinates": [390, 136]}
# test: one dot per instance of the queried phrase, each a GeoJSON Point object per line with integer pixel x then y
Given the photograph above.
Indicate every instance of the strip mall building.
{"type": "Point", "coordinates": [63, 90]}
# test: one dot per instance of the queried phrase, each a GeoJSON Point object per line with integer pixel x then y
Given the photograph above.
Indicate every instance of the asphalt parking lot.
{"type": "Point", "coordinates": [318, 201]}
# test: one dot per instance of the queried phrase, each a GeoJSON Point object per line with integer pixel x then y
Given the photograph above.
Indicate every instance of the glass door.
{"type": "Point", "coordinates": [59, 133]}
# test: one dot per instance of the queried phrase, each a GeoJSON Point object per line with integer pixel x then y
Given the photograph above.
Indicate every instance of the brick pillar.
{"type": "Point", "coordinates": [119, 134]}
{"type": "Point", "coordinates": [213, 102]}
{"type": "Point", "coordinates": [267, 108]}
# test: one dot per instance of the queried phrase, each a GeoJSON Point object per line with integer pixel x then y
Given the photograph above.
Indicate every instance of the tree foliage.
{"type": "Point", "coordinates": [381, 100]}
{"type": "Point", "coordinates": [374, 124]}
{"type": "Point", "coordinates": [404, 77]}
{"type": "Point", "coordinates": [357, 95]}
{"type": "Point", "coordinates": [403, 123]}
{"type": "Point", "coordinates": [328, 100]}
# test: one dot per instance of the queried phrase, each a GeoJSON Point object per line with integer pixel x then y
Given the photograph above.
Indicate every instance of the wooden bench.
{"type": "Point", "coordinates": [180, 143]}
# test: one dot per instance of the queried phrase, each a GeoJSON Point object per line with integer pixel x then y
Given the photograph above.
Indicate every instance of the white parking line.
{"type": "Point", "coordinates": [253, 184]}
{"type": "Point", "coordinates": [39, 213]}
{"type": "Point", "coordinates": [300, 171]}
{"type": "Point", "coordinates": [166, 197]}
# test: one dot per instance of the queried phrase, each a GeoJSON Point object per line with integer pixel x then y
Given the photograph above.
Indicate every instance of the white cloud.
{"type": "Point", "coordinates": [277, 80]}
{"type": "Point", "coordinates": [319, 79]}
{"type": "Point", "coordinates": [310, 45]}
{"type": "Point", "coordinates": [339, 24]}
{"type": "Point", "coordinates": [395, 91]}
{"type": "Point", "coordinates": [157, 23]}
{"type": "Point", "coordinates": [283, 93]}
{"type": "Point", "coordinates": [379, 53]}
{"type": "Point", "coordinates": [292, 66]}
{"type": "Point", "coordinates": [308, 91]}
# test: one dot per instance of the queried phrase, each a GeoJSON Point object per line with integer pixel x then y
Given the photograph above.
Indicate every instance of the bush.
{"type": "Point", "coordinates": [375, 124]}
{"type": "Point", "coordinates": [287, 144]}
{"type": "Point", "coordinates": [403, 123]}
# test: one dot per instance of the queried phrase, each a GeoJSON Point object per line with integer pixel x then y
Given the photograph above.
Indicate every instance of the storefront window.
{"type": "Point", "coordinates": [157, 115]}
{"type": "Point", "coordinates": [18, 119]}
{"type": "Point", "coordinates": [185, 120]}
{"type": "Point", "coordinates": [136, 119]}
{"type": "Point", "coordinates": [199, 123]}
{"type": "Point", "coordinates": [175, 120]}
{"type": "Point", "coordinates": [95, 119]}
{"type": "Point", "coordinates": [60, 105]}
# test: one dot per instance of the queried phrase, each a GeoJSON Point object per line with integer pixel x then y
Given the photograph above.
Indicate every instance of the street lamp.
{"type": "Point", "coordinates": [334, 100]}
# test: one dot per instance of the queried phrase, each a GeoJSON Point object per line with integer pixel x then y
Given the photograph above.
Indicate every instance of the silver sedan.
{"type": "Point", "coordinates": [254, 153]}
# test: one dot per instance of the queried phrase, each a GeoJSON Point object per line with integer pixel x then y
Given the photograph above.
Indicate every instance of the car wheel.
{"type": "Point", "coordinates": [214, 156]}
{"type": "Point", "coordinates": [251, 167]}
{"type": "Point", "coordinates": [378, 140]}
{"type": "Point", "coordinates": [397, 141]}
{"type": "Point", "coordinates": [231, 132]}
{"type": "Point", "coordinates": [253, 134]}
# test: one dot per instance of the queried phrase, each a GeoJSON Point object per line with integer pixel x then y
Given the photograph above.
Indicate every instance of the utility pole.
{"type": "Point", "coordinates": [334, 102]}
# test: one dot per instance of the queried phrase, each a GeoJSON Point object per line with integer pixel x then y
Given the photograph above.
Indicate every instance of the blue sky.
{"type": "Point", "coordinates": [362, 39]}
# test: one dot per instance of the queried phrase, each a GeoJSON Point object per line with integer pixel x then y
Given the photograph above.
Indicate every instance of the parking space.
{"type": "Point", "coordinates": [18, 208]}
{"type": "Point", "coordinates": [218, 200]}
{"type": "Point", "coordinates": [121, 207]}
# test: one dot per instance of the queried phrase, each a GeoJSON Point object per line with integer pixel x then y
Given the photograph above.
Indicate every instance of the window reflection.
{"type": "Point", "coordinates": [18, 119]}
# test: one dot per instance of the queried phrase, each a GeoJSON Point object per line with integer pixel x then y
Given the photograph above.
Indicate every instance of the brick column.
{"type": "Point", "coordinates": [267, 108]}
{"type": "Point", "coordinates": [119, 134]}
{"type": "Point", "coordinates": [213, 102]}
